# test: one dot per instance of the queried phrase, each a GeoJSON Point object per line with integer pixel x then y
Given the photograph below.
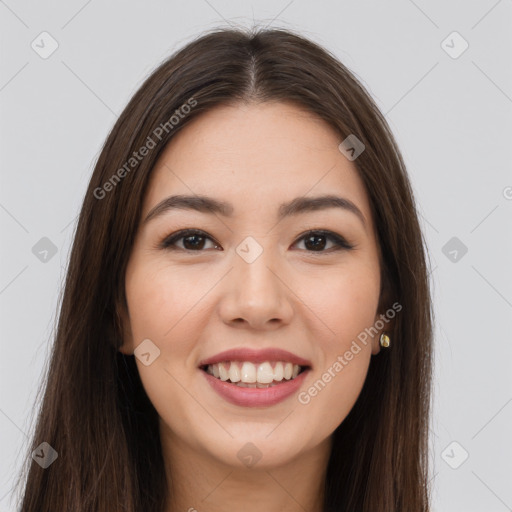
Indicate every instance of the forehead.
{"type": "Point", "coordinates": [254, 156]}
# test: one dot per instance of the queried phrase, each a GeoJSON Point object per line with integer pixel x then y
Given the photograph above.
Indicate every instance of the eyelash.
{"type": "Point", "coordinates": [340, 242]}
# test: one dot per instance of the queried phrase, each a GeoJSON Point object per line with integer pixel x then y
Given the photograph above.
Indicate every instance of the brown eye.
{"type": "Point", "coordinates": [193, 240]}
{"type": "Point", "coordinates": [316, 241]}
{"type": "Point", "coordinates": [197, 241]}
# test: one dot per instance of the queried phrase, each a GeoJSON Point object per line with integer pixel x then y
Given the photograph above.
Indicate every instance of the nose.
{"type": "Point", "coordinates": [255, 295]}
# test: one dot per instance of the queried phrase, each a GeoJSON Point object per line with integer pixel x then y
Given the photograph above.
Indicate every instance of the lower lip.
{"type": "Point", "coordinates": [255, 397]}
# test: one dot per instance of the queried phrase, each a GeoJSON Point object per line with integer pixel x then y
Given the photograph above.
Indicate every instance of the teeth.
{"type": "Point", "coordinates": [265, 373]}
{"type": "Point", "coordinates": [234, 373]}
{"type": "Point", "coordinates": [247, 374]}
{"type": "Point", "coordinates": [223, 373]}
{"type": "Point", "coordinates": [279, 371]}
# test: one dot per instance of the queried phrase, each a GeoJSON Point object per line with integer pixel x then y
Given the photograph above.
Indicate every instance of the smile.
{"type": "Point", "coordinates": [250, 375]}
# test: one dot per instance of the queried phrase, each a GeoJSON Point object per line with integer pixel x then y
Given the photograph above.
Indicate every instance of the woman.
{"type": "Point", "coordinates": [246, 320]}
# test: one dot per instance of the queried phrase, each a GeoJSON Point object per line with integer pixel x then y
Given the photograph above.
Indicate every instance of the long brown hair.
{"type": "Point", "coordinates": [95, 412]}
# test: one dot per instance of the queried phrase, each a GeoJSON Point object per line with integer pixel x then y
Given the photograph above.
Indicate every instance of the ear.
{"type": "Point", "coordinates": [384, 324]}
{"type": "Point", "coordinates": [125, 330]}
{"type": "Point", "coordinates": [384, 321]}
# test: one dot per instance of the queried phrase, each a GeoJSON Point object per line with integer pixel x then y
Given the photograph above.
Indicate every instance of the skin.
{"type": "Point", "coordinates": [196, 303]}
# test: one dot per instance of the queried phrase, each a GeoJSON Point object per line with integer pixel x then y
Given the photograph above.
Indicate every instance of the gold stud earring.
{"type": "Point", "coordinates": [384, 340]}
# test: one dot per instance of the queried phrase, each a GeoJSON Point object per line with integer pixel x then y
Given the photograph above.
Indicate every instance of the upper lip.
{"type": "Point", "coordinates": [255, 356]}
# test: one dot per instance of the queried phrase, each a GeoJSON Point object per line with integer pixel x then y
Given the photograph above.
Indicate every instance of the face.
{"type": "Point", "coordinates": [263, 289]}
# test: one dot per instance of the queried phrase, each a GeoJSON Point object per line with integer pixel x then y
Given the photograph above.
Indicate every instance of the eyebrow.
{"type": "Point", "coordinates": [299, 205]}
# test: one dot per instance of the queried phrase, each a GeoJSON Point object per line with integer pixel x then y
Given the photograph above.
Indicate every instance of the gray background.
{"type": "Point", "coordinates": [452, 118]}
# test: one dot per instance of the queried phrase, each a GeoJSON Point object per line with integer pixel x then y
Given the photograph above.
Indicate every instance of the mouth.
{"type": "Point", "coordinates": [246, 374]}
{"type": "Point", "coordinates": [255, 378]}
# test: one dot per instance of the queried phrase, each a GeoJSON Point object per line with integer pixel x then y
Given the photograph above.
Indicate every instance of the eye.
{"type": "Point", "coordinates": [193, 240]}
{"type": "Point", "coordinates": [197, 240]}
{"type": "Point", "coordinates": [316, 241]}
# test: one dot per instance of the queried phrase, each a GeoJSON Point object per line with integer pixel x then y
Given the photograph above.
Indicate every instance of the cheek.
{"type": "Point", "coordinates": [347, 303]}
{"type": "Point", "coordinates": [169, 305]}
{"type": "Point", "coordinates": [331, 395]}
{"type": "Point", "coordinates": [337, 382]}
{"type": "Point", "coordinates": [161, 304]}
{"type": "Point", "coordinates": [162, 301]}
